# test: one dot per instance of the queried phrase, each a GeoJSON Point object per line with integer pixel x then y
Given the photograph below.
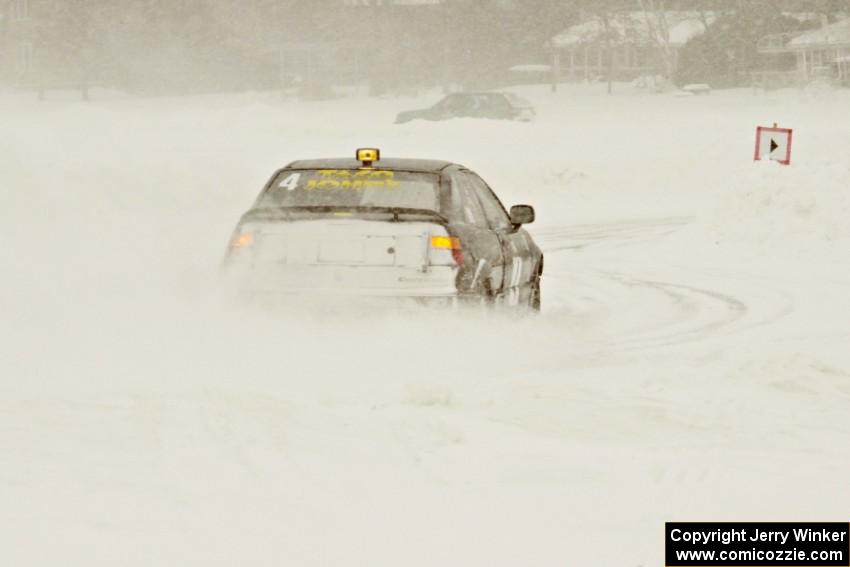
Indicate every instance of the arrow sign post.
{"type": "Point", "coordinates": [773, 144]}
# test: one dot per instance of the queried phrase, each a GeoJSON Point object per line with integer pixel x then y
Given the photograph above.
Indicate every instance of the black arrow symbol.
{"type": "Point", "coordinates": [773, 146]}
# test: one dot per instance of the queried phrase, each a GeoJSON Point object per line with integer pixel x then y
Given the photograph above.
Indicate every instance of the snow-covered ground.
{"type": "Point", "coordinates": [691, 362]}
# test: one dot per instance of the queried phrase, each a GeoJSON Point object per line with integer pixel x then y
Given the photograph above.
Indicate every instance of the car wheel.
{"type": "Point", "coordinates": [534, 294]}
{"type": "Point", "coordinates": [486, 298]}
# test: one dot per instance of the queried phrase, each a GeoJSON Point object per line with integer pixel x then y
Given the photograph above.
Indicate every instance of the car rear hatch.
{"type": "Point", "coordinates": [345, 253]}
{"type": "Point", "coordinates": [362, 230]}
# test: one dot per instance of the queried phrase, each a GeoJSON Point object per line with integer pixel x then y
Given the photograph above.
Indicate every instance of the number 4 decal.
{"type": "Point", "coordinates": [291, 182]}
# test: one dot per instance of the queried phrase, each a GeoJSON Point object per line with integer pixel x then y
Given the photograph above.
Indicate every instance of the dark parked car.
{"type": "Point", "coordinates": [503, 106]}
{"type": "Point", "coordinates": [412, 228]}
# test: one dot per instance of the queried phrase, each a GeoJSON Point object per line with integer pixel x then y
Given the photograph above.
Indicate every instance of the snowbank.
{"type": "Point", "coordinates": [806, 204]}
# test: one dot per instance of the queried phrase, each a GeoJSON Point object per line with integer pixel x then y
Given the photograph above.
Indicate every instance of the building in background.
{"type": "Point", "coordinates": [821, 54]}
{"type": "Point", "coordinates": [824, 53]}
{"type": "Point", "coordinates": [625, 45]}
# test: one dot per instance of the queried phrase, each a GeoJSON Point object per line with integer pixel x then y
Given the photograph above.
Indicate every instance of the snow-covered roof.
{"type": "Point", "coordinates": [833, 35]}
{"type": "Point", "coordinates": [638, 28]}
{"type": "Point", "coordinates": [685, 30]}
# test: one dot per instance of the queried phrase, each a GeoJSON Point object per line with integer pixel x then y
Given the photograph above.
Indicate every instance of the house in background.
{"type": "Point", "coordinates": [824, 52]}
{"type": "Point", "coordinates": [629, 44]}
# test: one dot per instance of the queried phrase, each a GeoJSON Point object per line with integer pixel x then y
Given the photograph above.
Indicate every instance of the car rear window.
{"type": "Point", "coordinates": [352, 188]}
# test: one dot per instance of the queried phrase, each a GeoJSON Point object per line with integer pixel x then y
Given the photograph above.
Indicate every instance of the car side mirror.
{"type": "Point", "coordinates": [522, 214]}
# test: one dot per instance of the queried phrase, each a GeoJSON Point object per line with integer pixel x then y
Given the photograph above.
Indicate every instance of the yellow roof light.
{"type": "Point", "coordinates": [368, 155]}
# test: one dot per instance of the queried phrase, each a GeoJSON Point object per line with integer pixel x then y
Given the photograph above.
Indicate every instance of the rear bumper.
{"type": "Point", "coordinates": [437, 282]}
{"type": "Point", "coordinates": [308, 297]}
{"type": "Point", "coordinates": [330, 304]}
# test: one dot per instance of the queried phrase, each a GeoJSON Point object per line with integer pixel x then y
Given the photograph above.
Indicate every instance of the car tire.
{"type": "Point", "coordinates": [534, 297]}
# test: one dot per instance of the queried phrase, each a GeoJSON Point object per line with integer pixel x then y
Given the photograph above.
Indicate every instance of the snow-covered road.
{"type": "Point", "coordinates": [690, 362]}
{"type": "Point", "coordinates": [624, 310]}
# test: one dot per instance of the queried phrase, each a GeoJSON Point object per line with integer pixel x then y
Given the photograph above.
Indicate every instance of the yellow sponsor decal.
{"type": "Point", "coordinates": [370, 173]}
{"type": "Point", "coordinates": [345, 179]}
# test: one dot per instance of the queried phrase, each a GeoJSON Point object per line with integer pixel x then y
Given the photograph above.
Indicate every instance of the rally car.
{"type": "Point", "coordinates": [498, 105]}
{"type": "Point", "coordinates": [429, 230]}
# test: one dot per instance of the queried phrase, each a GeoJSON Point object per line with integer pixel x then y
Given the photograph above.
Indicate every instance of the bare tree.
{"type": "Point", "coordinates": [658, 32]}
{"type": "Point", "coordinates": [606, 12]}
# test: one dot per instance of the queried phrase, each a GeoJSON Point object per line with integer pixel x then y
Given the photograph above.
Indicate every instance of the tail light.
{"type": "Point", "coordinates": [450, 243]}
{"type": "Point", "coordinates": [241, 240]}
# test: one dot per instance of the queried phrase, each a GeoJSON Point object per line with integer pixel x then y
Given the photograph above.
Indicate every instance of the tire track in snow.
{"type": "Point", "coordinates": [627, 312]}
{"type": "Point", "coordinates": [579, 237]}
